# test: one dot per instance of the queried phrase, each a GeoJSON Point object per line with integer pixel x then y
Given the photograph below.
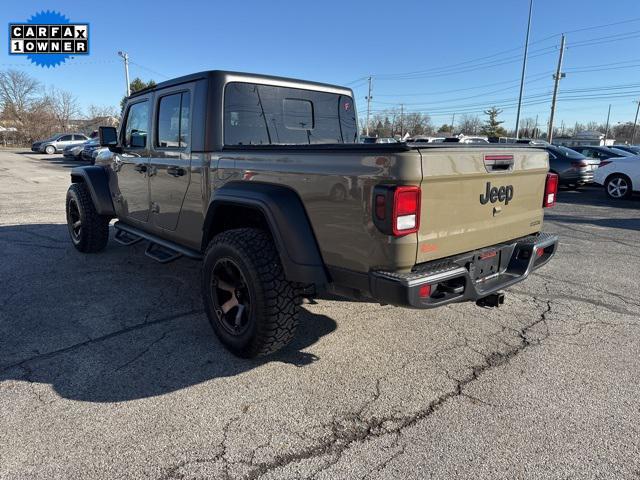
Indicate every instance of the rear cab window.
{"type": "Point", "coordinates": [269, 115]}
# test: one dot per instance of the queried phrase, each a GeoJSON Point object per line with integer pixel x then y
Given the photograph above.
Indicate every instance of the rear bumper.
{"type": "Point", "coordinates": [453, 279]}
{"type": "Point", "coordinates": [573, 177]}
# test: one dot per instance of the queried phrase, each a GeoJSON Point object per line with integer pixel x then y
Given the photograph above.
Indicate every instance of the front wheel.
{"type": "Point", "coordinates": [618, 187]}
{"type": "Point", "coordinates": [50, 149]}
{"type": "Point", "coordinates": [88, 230]}
{"type": "Point", "coordinates": [250, 304]}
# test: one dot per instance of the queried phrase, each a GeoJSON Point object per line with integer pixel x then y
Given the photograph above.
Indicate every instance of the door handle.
{"type": "Point", "coordinates": [175, 171]}
{"type": "Point", "coordinates": [140, 168]}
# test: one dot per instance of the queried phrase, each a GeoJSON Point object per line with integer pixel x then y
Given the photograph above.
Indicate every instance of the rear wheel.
{"type": "Point", "coordinates": [251, 306]}
{"type": "Point", "coordinates": [618, 187]}
{"type": "Point", "coordinates": [88, 230]}
{"type": "Point", "coordinates": [50, 149]}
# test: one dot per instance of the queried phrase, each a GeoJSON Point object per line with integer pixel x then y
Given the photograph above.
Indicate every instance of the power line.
{"type": "Point", "coordinates": [148, 69]}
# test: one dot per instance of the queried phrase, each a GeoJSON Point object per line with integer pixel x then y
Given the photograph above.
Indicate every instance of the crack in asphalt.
{"type": "Point", "coordinates": [625, 299]}
{"type": "Point", "coordinates": [145, 351]}
{"type": "Point", "coordinates": [355, 428]}
{"type": "Point", "coordinates": [47, 355]}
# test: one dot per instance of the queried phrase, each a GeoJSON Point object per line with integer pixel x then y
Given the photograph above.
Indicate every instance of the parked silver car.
{"type": "Point", "coordinates": [58, 142]}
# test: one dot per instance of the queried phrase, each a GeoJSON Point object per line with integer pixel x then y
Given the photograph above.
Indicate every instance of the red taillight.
{"type": "Point", "coordinates": [550, 190]}
{"type": "Point", "coordinates": [604, 162]}
{"type": "Point", "coordinates": [406, 210]}
{"type": "Point", "coordinates": [424, 291]}
{"type": "Point", "coordinates": [580, 164]}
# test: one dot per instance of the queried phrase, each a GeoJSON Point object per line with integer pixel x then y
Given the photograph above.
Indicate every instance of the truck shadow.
{"type": "Point", "coordinates": [113, 326]}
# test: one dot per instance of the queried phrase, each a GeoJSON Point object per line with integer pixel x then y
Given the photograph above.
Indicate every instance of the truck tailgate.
{"type": "Point", "coordinates": [475, 198]}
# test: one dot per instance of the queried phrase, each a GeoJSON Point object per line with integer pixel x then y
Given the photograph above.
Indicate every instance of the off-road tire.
{"type": "Point", "coordinates": [94, 231]}
{"type": "Point", "coordinates": [624, 181]}
{"type": "Point", "coordinates": [50, 150]}
{"type": "Point", "coordinates": [275, 304]}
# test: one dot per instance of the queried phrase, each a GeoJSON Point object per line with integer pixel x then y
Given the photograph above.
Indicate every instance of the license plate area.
{"type": "Point", "coordinates": [486, 265]}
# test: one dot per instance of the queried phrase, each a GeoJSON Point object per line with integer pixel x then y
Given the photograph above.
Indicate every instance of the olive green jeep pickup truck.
{"type": "Point", "coordinates": [263, 179]}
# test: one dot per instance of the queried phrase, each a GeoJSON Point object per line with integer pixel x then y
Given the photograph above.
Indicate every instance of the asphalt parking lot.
{"type": "Point", "coordinates": [109, 369]}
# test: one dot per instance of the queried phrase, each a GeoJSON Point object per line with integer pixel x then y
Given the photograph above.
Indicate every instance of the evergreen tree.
{"type": "Point", "coordinates": [491, 127]}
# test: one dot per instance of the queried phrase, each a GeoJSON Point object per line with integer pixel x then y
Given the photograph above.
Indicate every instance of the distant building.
{"type": "Point", "coordinates": [593, 138]}
{"type": "Point", "coordinates": [92, 124]}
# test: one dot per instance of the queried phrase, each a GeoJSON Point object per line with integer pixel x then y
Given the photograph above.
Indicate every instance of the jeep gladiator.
{"type": "Point", "coordinates": [263, 179]}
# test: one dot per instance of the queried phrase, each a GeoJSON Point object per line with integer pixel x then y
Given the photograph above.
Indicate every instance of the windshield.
{"type": "Point", "coordinates": [567, 152]}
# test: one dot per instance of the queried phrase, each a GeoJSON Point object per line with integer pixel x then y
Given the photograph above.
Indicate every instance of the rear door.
{"type": "Point", "coordinates": [170, 161]}
{"type": "Point", "coordinates": [131, 166]}
{"type": "Point", "coordinates": [474, 197]}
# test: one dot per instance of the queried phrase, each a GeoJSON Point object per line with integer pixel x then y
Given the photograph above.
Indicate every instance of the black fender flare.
{"type": "Point", "coordinates": [288, 223]}
{"type": "Point", "coordinates": [97, 180]}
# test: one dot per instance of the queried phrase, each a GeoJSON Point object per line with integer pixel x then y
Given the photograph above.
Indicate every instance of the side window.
{"type": "Point", "coordinates": [174, 121]}
{"type": "Point", "coordinates": [185, 119]}
{"type": "Point", "coordinates": [244, 122]}
{"type": "Point", "coordinates": [65, 138]}
{"type": "Point", "coordinates": [135, 132]}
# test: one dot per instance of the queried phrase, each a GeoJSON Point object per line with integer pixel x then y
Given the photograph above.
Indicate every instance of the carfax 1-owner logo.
{"type": "Point", "coordinates": [48, 38]}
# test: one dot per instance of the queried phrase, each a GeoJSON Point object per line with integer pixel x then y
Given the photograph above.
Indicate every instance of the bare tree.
{"type": "Point", "coordinates": [18, 94]}
{"type": "Point", "coordinates": [101, 111]}
{"type": "Point", "coordinates": [416, 123]}
{"type": "Point", "coordinates": [469, 124]}
{"type": "Point", "coordinates": [64, 107]}
{"type": "Point", "coordinates": [527, 127]}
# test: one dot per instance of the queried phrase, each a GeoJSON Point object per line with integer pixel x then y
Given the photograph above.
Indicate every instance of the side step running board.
{"type": "Point", "coordinates": [159, 249]}
{"type": "Point", "coordinates": [125, 238]}
{"type": "Point", "coordinates": [161, 254]}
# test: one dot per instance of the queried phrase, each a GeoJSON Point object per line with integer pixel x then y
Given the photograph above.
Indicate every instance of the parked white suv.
{"type": "Point", "coordinates": [58, 142]}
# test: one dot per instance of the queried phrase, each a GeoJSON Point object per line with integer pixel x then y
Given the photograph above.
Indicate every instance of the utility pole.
{"type": "Point", "coordinates": [125, 57]}
{"type": "Point", "coordinates": [635, 123]}
{"type": "Point", "coordinates": [524, 69]}
{"type": "Point", "coordinates": [606, 129]}
{"type": "Point", "coordinates": [556, 84]}
{"type": "Point", "coordinates": [401, 120]}
{"type": "Point", "coordinates": [368, 105]}
{"type": "Point", "coordinates": [535, 129]}
{"type": "Point", "coordinates": [453, 120]}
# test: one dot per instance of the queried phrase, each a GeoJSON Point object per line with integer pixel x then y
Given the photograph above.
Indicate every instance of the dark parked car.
{"type": "Point", "coordinates": [632, 149]}
{"type": "Point", "coordinates": [601, 153]}
{"type": "Point", "coordinates": [87, 151]}
{"type": "Point", "coordinates": [573, 168]}
{"type": "Point", "coordinates": [74, 151]}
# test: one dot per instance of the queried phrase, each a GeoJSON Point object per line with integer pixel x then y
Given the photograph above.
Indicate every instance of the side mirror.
{"type": "Point", "coordinates": [108, 136]}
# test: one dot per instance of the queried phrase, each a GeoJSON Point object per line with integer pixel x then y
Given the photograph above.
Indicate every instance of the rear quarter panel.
{"type": "Point", "coordinates": [343, 227]}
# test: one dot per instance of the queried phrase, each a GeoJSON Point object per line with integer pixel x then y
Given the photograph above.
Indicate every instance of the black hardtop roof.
{"type": "Point", "coordinates": [221, 75]}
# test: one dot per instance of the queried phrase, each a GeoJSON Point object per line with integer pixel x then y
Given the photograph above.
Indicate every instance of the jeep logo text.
{"type": "Point", "coordinates": [495, 194]}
